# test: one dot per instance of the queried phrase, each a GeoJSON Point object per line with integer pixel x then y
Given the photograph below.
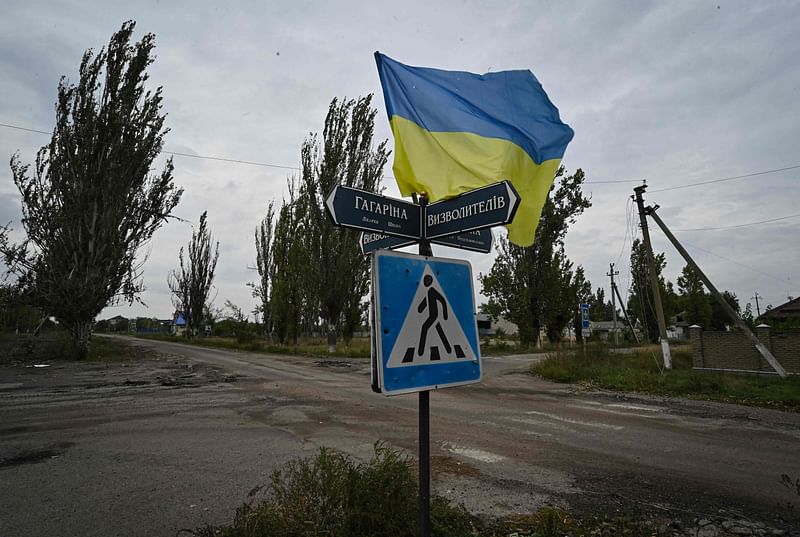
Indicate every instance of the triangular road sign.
{"type": "Point", "coordinates": [431, 327]}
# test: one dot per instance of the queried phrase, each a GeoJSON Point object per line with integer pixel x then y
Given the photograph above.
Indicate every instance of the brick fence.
{"type": "Point", "coordinates": [735, 351]}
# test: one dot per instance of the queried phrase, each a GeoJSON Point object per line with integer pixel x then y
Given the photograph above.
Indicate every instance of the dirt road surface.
{"type": "Point", "coordinates": [177, 439]}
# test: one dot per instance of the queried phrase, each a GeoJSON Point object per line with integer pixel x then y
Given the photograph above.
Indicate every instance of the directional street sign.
{"type": "Point", "coordinates": [477, 241]}
{"type": "Point", "coordinates": [378, 241]}
{"type": "Point", "coordinates": [350, 207]}
{"type": "Point", "coordinates": [492, 205]}
{"type": "Point", "coordinates": [424, 315]}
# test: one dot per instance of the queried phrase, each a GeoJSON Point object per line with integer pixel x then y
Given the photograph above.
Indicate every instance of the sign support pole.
{"type": "Point", "coordinates": [424, 419]}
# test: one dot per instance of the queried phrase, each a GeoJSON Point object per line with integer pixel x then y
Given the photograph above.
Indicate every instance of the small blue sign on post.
{"type": "Point", "coordinates": [425, 328]}
{"type": "Point", "coordinates": [585, 323]}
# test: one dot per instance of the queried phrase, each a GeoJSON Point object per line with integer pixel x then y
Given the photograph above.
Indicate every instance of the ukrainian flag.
{"type": "Point", "coordinates": [455, 131]}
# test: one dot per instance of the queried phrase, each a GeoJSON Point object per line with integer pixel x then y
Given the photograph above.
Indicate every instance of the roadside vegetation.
{"type": "Point", "coordinates": [56, 344]}
{"type": "Point", "coordinates": [641, 371]}
{"type": "Point", "coordinates": [330, 494]}
{"type": "Point", "coordinates": [306, 346]}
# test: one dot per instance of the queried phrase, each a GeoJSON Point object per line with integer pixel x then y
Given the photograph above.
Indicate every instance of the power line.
{"type": "Point", "coordinates": [179, 154]}
{"type": "Point", "coordinates": [611, 181]}
{"type": "Point", "coordinates": [754, 174]}
{"type": "Point", "coordinates": [23, 128]}
{"type": "Point", "coordinates": [742, 225]}
{"type": "Point", "coordinates": [595, 182]}
{"type": "Point", "coordinates": [737, 263]}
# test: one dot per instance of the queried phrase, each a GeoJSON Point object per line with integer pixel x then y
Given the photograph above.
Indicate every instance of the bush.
{"type": "Point", "coordinates": [331, 495]}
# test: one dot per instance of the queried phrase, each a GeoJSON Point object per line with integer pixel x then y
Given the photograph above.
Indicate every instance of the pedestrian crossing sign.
{"type": "Point", "coordinates": [426, 333]}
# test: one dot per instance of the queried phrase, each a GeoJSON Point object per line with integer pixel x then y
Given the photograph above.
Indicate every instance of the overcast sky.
{"type": "Point", "coordinates": [674, 93]}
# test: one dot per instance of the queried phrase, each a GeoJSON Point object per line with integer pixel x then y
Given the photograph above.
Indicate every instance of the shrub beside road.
{"type": "Point", "coordinates": [642, 371]}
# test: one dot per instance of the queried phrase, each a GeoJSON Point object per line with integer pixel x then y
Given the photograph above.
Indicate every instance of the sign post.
{"type": "Point", "coordinates": [424, 332]}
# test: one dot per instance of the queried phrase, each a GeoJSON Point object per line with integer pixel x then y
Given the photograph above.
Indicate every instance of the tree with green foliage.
{"type": "Point", "coordinates": [693, 298]}
{"type": "Point", "coordinates": [345, 157]}
{"type": "Point", "coordinates": [536, 287]}
{"type": "Point", "coordinates": [599, 308]}
{"type": "Point", "coordinates": [16, 313]}
{"type": "Point", "coordinates": [90, 202]}
{"type": "Point", "coordinates": [641, 304]}
{"type": "Point", "coordinates": [262, 289]}
{"type": "Point", "coordinates": [719, 319]}
{"type": "Point", "coordinates": [748, 317]}
{"type": "Point", "coordinates": [191, 283]}
{"type": "Point", "coordinates": [291, 289]}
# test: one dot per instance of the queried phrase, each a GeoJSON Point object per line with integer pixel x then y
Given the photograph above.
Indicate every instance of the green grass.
{"type": "Point", "coordinates": [642, 372]}
{"type": "Point", "coordinates": [54, 344]}
{"type": "Point", "coordinates": [315, 347]}
{"type": "Point", "coordinates": [332, 495]}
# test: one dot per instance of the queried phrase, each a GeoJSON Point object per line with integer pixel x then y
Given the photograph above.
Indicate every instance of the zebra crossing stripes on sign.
{"type": "Point", "coordinates": [427, 336]}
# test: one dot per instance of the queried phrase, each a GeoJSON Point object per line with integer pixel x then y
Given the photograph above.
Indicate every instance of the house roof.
{"type": "Point", "coordinates": [787, 310]}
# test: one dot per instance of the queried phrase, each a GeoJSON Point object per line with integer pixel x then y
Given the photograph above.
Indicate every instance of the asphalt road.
{"type": "Point", "coordinates": [150, 446]}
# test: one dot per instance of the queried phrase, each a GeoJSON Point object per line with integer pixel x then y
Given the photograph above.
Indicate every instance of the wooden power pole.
{"type": "Point", "coordinates": [763, 350]}
{"type": "Point", "coordinates": [662, 325]}
{"type": "Point", "coordinates": [612, 273]}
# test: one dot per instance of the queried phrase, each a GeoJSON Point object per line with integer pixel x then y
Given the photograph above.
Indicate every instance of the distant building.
{"type": "Point", "coordinates": [788, 310]}
{"type": "Point", "coordinates": [487, 326]}
{"type": "Point", "coordinates": [178, 324]}
{"type": "Point", "coordinates": [605, 329]}
{"type": "Point", "coordinates": [118, 323]}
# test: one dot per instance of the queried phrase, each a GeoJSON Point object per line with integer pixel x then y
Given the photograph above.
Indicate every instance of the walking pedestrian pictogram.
{"type": "Point", "coordinates": [430, 303]}
{"type": "Point", "coordinates": [429, 324]}
{"type": "Point", "coordinates": [426, 330]}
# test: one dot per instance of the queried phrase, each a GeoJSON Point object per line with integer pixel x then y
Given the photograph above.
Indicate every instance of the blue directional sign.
{"type": "Point", "coordinates": [476, 241]}
{"type": "Point", "coordinates": [492, 205]}
{"type": "Point", "coordinates": [378, 241]}
{"type": "Point", "coordinates": [479, 240]}
{"type": "Point", "coordinates": [359, 209]}
{"type": "Point", "coordinates": [585, 323]}
{"type": "Point", "coordinates": [426, 334]}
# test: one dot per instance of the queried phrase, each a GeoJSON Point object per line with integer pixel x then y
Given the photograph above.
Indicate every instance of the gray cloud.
{"type": "Point", "coordinates": [674, 93]}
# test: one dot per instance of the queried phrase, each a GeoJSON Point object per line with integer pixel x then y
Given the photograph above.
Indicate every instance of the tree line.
{"type": "Point", "coordinates": [92, 200]}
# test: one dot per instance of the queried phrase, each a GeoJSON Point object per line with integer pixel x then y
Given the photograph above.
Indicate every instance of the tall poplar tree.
{"type": "Point", "coordinates": [537, 287]}
{"type": "Point", "coordinates": [345, 157]}
{"type": "Point", "coordinates": [191, 283]}
{"type": "Point", "coordinates": [90, 202]}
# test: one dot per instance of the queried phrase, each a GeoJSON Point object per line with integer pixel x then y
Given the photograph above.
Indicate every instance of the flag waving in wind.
{"type": "Point", "coordinates": [455, 131]}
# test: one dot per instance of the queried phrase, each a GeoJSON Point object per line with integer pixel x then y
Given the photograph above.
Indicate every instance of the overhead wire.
{"type": "Point", "coordinates": [285, 167]}
{"type": "Point", "coordinates": [180, 154]}
{"type": "Point", "coordinates": [742, 225]}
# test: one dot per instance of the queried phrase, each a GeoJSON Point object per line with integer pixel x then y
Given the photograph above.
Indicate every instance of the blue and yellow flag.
{"type": "Point", "coordinates": [455, 131]}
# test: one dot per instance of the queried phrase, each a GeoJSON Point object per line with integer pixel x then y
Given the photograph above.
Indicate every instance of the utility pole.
{"type": "Point", "coordinates": [625, 313]}
{"type": "Point", "coordinates": [662, 325]}
{"type": "Point", "coordinates": [612, 273]}
{"type": "Point", "coordinates": [758, 308]}
{"type": "Point", "coordinates": [762, 350]}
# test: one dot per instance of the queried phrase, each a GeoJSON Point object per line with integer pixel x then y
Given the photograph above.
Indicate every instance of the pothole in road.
{"type": "Point", "coordinates": [473, 453]}
{"type": "Point", "coordinates": [34, 456]}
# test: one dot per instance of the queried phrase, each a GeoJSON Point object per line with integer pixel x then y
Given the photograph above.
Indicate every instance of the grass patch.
{"type": "Point", "coordinates": [315, 347]}
{"type": "Point", "coordinates": [333, 496]}
{"type": "Point", "coordinates": [641, 371]}
{"type": "Point", "coordinates": [56, 344]}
